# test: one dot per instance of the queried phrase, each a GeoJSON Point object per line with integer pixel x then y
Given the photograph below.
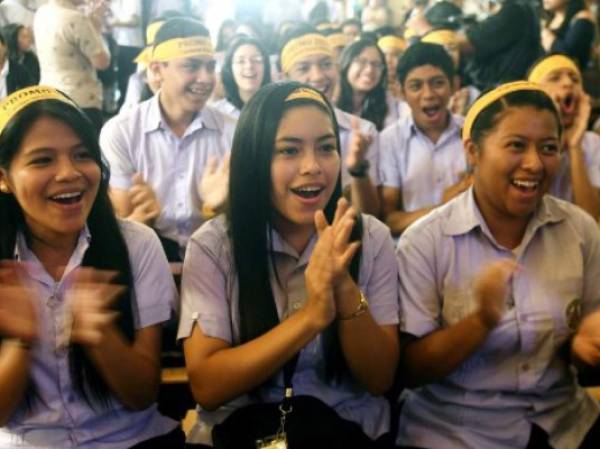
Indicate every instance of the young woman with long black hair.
{"type": "Point", "coordinates": [101, 288]}
{"type": "Point", "coordinates": [290, 268]}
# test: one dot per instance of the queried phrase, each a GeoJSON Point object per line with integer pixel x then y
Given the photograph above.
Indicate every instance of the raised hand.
{"type": "Point", "coordinates": [214, 185]}
{"type": "Point", "coordinates": [145, 205]}
{"type": "Point", "coordinates": [359, 143]}
{"type": "Point", "coordinates": [17, 312]}
{"type": "Point", "coordinates": [491, 290]}
{"type": "Point", "coordinates": [574, 135]}
{"type": "Point", "coordinates": [89, 299]}
{"type": "Point", "coordinates": [586, 343]}
{"type": "Point", "coordinates": [329, 262]}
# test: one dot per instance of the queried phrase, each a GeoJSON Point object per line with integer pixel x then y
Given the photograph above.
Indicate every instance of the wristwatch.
{"type": "Point", "coordinates": [360, 170]}
{"type": "Point", "coordinates": [363, 306]}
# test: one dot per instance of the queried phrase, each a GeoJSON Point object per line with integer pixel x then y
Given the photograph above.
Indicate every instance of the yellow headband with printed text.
{"type": "Point", "coordinates": [551, 63]}
{"type": "Point", "coordinates": [490, 97]}
{"type": "Point", "coordinates": [183, 47]}
{"type": "Point", "coordinates": [337, 40]}
{"type": "Point", "coordinates": [19, 100]}
{"type": "Point", "coordinates": [301, 47]}
{"type": "Point", "coordinates": [146, 53]}
{"type": "Point", "coordinates": [391, 43]}
{"type": "Point", "coordinates": [306, 94]}
{"type": "Point", "coordinates": [440, 37]}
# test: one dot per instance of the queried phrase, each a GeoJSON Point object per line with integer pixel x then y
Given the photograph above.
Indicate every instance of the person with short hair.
{"type": "Point", "coordinates": [159, 150]}
{"type": "Point", "coordinates": [421, 160]}
{"type": "Point", "coordinates": [290, 268]}
{"type": "Point", "coordinates": [500, 294]}
{"type": "Point", "coordinates": [100, 288]}
{"type": "Point", "coordinates": [307, 57]}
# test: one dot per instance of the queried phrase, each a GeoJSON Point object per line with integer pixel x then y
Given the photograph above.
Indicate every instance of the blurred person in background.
{"type": "Point", "coordinates": [70, 50]}
{"type": "Point", "coordinates": [19, 43]}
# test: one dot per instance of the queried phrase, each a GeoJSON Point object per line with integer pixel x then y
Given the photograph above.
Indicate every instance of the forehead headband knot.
{"type": "Point", "coordinates": [182, 47]}
{"type": "Point", "coordinates": [550, 64]}
{"type": "Point", "coordinates": [490, 97]}
{"type": "Point", "coordinates": [145, 55]}
{"type": "Point", "coordinates": [303, 46]}
{"type": "Point", "coordinates": [19, 100]}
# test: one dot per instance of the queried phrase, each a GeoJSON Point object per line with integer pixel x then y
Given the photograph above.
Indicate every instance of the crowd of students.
{"type": "Point", "coordinates": [345, 233]}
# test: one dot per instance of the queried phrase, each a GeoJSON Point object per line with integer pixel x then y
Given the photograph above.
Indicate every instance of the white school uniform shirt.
{"type": "Point", "coordinates": [562, 187]}
{"type": "Point", "coordinates": [210, 298]}
{"type": "Point", "coordinates": [59, 417]}
{"type": "Point", "coordinates": [421, 169]}
{"type": "Point", "coordinates": [140, 140]}
{"type": "Point", "coordinates": [226, 107]}
{"type": "Point", "coordinates": [344, 120]}
{"type": "Point", "coordinates": [518, 376]}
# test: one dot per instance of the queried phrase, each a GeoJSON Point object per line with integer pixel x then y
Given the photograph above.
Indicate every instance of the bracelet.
{"type": "Point", "coordinates": [363, 306]}
{"type": "Point", "coordinates": [360, 170]}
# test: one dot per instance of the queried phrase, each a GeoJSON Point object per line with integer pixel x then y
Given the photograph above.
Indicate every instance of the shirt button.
{"type": "Point", "coordinates": [296, 305]}
{"type": "Point", "coordinates": [195, 316]}
{"type": "Point", "coordinates": [525, 367]}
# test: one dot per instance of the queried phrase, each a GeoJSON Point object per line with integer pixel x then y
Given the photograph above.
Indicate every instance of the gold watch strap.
{"type": "Point", "coordinates": [363, 306]}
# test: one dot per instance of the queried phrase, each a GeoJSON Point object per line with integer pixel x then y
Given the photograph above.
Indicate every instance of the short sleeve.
{"type": "Point", "coordinates": [591, 275]}
{"type": "Point", "coordinates": [389, 170]}
{"type": "Point", "coordinates": [115, 148]}
{"type": "Point", "coordinates": [420, 303]}
{"type": "Point", "coordinates": [382, 284]}
{"type": "Point", "coordinates": [87, 38]}
{"type": "Point", "coordinates": [155, 291]}
{"type": "Point", "coordinates": [204, 286]}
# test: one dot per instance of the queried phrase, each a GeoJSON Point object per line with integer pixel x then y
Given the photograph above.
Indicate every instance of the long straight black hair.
{"type": "Point", "coordinates": [107, 249]}
{"type": "Point", "coordinates": [250, 211]}
{"type": "Point", "coordinates": [374, 107]}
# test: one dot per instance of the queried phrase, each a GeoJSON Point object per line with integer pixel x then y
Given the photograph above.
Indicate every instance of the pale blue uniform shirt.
{"type": "Point", "coordinates": [562, 187]}
{"type": "Point", "coordinates": [59, 417]}
{"type": "Point", "coordinates": [226, 107]}
{"type": "Point", "coordinates": [517, 377]}
{"type": "Point", "coordinates": [421, 169]}
{"type": "Point", "coordinates": [344, 120]}
{"type": "Point", "coordinates": [210, 295]}
{"type": "Point", "coordinates": [141, 141]}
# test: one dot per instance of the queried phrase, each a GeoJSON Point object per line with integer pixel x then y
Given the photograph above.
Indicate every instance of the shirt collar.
{"type": "Point", "coordinates": [466, 216]}
{"type": "Point", "coordinates": [65, 4]}
{"type": "Point", "coordinates": [23, 253]}
{"type": "Point", "coordinates": [282, 247]}
{"type": "Point", "coordinates": [343, 119]}
{"type": "Point", "coordinates": [454, 126]}
{"type": "Point", "coordinates": [204, 119]}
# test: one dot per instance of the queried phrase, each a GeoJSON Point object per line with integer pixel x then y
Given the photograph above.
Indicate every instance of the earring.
{"type": "Point", "coordinates": [4, 188]}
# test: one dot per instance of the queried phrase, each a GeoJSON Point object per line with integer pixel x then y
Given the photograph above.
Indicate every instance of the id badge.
{"type": "Point", "coordinates": [278, 441]}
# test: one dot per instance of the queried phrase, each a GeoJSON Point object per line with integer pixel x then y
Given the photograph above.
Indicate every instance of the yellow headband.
{"type": "Point", "coordinates": [185, 47]}
{"type": "Point", "coordinates": [440, 37]}
{"type": "Point", "coordinates": [391, 43]}
{"type": "Point", "coordinates": [307, 94]}
{"type": "Point", "coordinates": [146, 54]}
{"type": "Point", "coordinates": [19, 100]}
{"type": "Point", "coordinates": [487, 99]}
{"type": "Point", "coordinates": [337, 40]}
{"type": "Point", "coordinates": [303, 46]}
{"type": "Point", "coordinates": [550, 64]}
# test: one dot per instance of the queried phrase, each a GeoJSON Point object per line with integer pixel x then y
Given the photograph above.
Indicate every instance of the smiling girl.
{"type": "Point", "coordinates": [499, 291]}
{"type": "Point", "coordinates": [280, 274]}
{"type": "Point", "coordinates": [101, 288]}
